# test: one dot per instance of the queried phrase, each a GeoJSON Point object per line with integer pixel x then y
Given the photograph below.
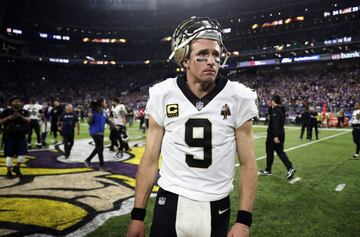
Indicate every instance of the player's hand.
{"type": "Point", "coordinates": [136, 229]}
{"type": "Point", "coordinates": [239, 230]}
{"type": "Point", "coordinates": [276, 140]}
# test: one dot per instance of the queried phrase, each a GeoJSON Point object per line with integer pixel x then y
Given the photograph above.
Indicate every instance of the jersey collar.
{"type": "Point", "coordinates": [200, 103]}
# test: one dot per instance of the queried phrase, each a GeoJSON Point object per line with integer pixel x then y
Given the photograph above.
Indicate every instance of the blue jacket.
{"type": "Point", "coordinates": [98, 124]}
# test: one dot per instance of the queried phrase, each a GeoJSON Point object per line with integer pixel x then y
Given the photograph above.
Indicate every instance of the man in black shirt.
{"type": "Point", "coordinates": [68, 120]}
{"type": "Point", "coordinates": [16, 123]}
{"type": "Point", "coordinates": [305, 123]}
{"type": "Point", "coordinates": [55, 114]}
{"type": "Point", "coordinates": [276, 138]}
{"type": "Point", "coordinates": [313, 123]}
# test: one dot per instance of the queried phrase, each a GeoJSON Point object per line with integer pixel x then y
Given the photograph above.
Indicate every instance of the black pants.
{"type": "Point", "coordinates": [303, 126]}
{"type": "Point", "coordinates": [166, 207]}
{"type": "Point", "coordinates": [315, 126]}
{"type": "Point", "coordinates": [54, 130]}
{"type": "Point", "coordinates": [142, 121]}
{"type": "Point", "coordinates": [271, 146]}
{"type": "Point", "coordinates": [99, 148]}
{"type": "Point", "coordinates": [114, 137]}
{"type": "Point", "coordinates": [34, 125]}
{"type": "Point", "coordinates": [356, 137]}
{"type": "Point", "coordinates": [68, 140]}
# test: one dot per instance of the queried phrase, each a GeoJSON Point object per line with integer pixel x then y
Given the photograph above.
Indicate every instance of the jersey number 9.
{"type": "Point", "coordinates": [204, 142]}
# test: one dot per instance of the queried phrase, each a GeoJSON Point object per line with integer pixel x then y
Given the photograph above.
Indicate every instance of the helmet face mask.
{"type": "Point", "coordinates": [191, 29]}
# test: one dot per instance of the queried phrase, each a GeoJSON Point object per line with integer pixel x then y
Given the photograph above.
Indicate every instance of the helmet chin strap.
{"type": "Point", "coordinates": [227, 55]}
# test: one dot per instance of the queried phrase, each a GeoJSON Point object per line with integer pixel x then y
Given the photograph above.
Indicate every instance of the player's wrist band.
{"type": "Point", "coordinates": [138, 214]}
{"type": "Point", "coordinates": [244, 217]}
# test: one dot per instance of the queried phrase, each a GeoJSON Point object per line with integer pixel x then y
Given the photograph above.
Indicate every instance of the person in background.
{"type": "Point", "coordinates": [276, 138]}
{"type": "Point", "coordinates": [68, 120]}
{"type": "Point", "coordinates": [313, 123]}
{"type": "Point", "coordinates": [46, 122]}
{"type": "Point", "coordinates": [55, 113]}
{"type": "Point", "coordinates": [36, 115]}
{"type": "Point", "coordinates": [16, 123]}
{"type": "Point", "coordinates": [97, 119]}
{"type": "Point", "coordinates": [305, 123]}
{"type": "Point", "coordinates": [355, 123]}
{"type": "Point", "coordinates": [130, 115]}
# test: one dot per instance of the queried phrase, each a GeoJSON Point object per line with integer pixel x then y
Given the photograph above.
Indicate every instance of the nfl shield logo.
{"type": "Point", "coordinates": [199, 105]}
{"type": "Point", "coordinates": [162, 201]}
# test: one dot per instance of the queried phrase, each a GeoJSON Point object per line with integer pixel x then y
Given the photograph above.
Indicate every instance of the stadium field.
{"type": "Point", "coordinates": [308, 207]}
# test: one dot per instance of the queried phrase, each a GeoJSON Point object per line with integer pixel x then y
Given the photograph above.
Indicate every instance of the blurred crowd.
{"type": "Point", "coordinates": [337, 88]}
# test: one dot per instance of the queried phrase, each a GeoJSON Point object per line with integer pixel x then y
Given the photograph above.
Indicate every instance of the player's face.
{"type": "Point", "coordinates": [16, 104]}
{"type": "Point", "coordinates": [69, 109]}
{"type": "Point", "coordinates": [204, 62]}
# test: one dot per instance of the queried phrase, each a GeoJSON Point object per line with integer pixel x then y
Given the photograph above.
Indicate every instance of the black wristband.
{"type": "Point", "coordinates": [138, 214]}
{"type": "Point", "coordinates": [244, 217]}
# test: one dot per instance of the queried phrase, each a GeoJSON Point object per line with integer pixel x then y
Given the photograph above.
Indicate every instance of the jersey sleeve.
{"type": "Point", "coordinates": [154, 106]}
{"type": "Point", "coordinates": [247, 108]}
{"type": "Point", "coordinates": [26, 113]}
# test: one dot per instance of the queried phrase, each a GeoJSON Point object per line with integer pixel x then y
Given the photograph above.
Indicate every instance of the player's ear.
{"type": "Point", "coordinates": [186, 63]}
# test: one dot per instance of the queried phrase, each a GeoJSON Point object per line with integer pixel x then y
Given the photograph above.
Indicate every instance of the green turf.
{"type": "Point", "coordinates": [310, 207]}
{"type": "Point", "coordinates": [134, 134]}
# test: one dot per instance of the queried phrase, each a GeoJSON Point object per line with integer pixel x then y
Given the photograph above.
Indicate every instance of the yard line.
{"type": "Point", "coordinates": [306, 144]}
{"type": "Point", "coordinates": [297, 179]}
{"type": "Point", "coordinates": [340, 187]}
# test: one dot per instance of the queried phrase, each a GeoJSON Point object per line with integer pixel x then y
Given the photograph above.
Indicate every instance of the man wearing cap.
{"type": "Point", "coordinates": [16, 125]}
{"type": "Point", "coordinates": [276, 138]}
{"type": "Point", "coordinates": [198, 144]}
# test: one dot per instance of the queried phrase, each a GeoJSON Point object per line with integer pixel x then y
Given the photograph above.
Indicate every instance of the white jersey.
{"type": "Point", "coordinates": [355, 118]}
{"type": "Point", "coordinates": [34, 110]}
{"type": "Point", "coordinates": [118, 113]}
{"type": "Point", "coordinates": [198, 147]}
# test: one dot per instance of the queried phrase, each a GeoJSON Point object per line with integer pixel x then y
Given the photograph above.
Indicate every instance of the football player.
{"type": "Point", "coordinates": [16, 123]}
{"type": "Point", "coordinates": [119, 119]}
{"type": "Point", "coordinates": [355, 122]}
{"type": "Point", "coordinates": [198, 146]}
{"type": "Point", "coordinates": [36, 115]}
{"type": "Point", "coordinates": [55, 113]}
